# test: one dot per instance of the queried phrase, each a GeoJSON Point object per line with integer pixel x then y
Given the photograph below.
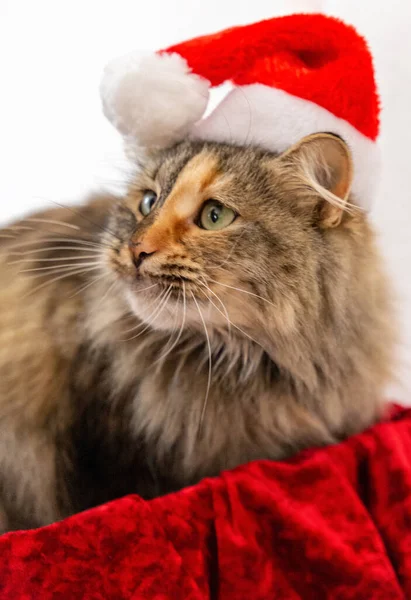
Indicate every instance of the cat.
{"type": "Point", "coordinates": [232, 306]}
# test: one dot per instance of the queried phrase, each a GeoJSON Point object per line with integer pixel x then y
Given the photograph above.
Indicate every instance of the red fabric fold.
{"type": "Point", "coordinates": [332, 523]}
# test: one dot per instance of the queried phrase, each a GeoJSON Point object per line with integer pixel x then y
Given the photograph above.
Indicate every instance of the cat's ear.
{"type": "Point", "coordinates": [322, 165]}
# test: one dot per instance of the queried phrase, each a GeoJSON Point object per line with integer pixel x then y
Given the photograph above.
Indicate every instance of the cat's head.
{"type": "Point", "coordinates": [229, 236]}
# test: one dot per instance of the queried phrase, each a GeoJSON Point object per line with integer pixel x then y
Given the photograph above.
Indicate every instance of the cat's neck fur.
{"type": "Point", "coordinates": [192, 432]}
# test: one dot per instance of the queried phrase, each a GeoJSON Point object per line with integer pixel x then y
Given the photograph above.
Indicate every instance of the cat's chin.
{"type": "Point", "coordinates": [171, 314]}
{"type": "Point", "coordinates": [160, 315]}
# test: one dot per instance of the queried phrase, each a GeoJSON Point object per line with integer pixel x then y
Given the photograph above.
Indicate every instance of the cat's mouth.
{"type": "Point", "coordinates": [166, 301]}
{"type": "Point", "coordinates": [169, 302]}
{"type": "Point", "coordinates": [167, 295]}
{"type": "Point", "coordinates": [151, 284]}
{"type": "Point", "coordinates": [146, 276]}
{"type": "Point", "coordinates": [167, 281]}
{"type": "Point", "coordinates": [174, 278]}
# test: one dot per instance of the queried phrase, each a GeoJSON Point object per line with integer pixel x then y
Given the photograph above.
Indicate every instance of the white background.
{"type": "Point", "coordinates": [56, 145]}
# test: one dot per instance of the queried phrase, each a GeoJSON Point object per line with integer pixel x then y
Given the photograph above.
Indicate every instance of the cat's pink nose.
{"type": "Point", "coordinates": [140, 251]}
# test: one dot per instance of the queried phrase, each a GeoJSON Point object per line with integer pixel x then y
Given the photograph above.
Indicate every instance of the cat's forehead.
{"type": "Point", "coordinates": [192, 172]}
{"type": "Point", "coordinates": [183, 191]}
{"type": "Point", "coordinates": [211, 160]}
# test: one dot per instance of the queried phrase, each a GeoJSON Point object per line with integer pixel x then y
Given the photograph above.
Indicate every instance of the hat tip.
{"type": "Point", "coordinates": [153, 98]}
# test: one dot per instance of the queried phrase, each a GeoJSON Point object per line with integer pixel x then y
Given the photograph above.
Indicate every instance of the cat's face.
{"type": "Point", "coordinates": [214, 233]}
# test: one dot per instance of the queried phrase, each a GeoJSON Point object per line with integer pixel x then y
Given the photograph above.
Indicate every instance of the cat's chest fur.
{"type": "Point", "coordinates": [139, 425]}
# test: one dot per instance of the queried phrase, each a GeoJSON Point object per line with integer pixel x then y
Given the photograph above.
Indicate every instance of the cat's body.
{"type": "Point", "coordinates": [93, 405]}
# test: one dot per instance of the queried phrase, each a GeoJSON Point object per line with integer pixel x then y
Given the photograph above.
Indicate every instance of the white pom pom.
{"type": "Point", "coordinates": [154, 98]}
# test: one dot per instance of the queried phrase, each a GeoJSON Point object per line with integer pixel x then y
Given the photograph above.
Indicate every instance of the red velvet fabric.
{"type": "Point", "coordinates": [332, 523]}
{"type": "Point", "coordinates": [312, 56]}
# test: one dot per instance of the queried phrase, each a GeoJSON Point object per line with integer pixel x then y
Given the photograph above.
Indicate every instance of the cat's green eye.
{"type": "Point", "coordinates": [215, 216]}
{"type": "Point", "coordinates": [147, 203]}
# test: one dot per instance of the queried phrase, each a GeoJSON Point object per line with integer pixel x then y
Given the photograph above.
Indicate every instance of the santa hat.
{"type": "Point", "coordinates": [291, 76]}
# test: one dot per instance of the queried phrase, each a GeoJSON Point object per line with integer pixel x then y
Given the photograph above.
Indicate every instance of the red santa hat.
{"type": "Point", "coordinates": [291, 76]}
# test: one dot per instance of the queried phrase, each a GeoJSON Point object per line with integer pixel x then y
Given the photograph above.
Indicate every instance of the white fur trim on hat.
{"type": "Point", "coordinates": [275, 120]}
{"type": "Point", "coordinates": [153, 98]}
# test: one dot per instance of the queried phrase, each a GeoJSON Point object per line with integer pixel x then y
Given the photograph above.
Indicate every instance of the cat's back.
{"type": "Point", "coordinates": [43, 271]}
{"type": "Point", "coordinates": [44, 262]}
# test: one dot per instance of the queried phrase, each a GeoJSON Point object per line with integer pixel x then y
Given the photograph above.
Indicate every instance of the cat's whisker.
{"type": "Point", "coordinates": [59, 278]}
{"type": "Point", "coordinates": [64, 267]}
{"type": "Point", "coordinates": [173, 330]}
{"type": "Point", "coordinates": [22, 227]}
{"type": "Point", "coordinates": [228, 125]}
{"type": "Point", "coordinates": [62, 240]}
{"type": "Point", "coordinates": [142, 323]}
{"type": "Point", "coordinates": [107, 292]}
{"type": "Point", "coordinates": [69, 271]}
{"type": "Point", "coordinates": [17, 228]}
{"type": "Point", "coordinates": [149, 287]}
{"type": "Point", "coordinates": [52, 222]}
{"type": "Point", "coordinates": [163, 304]}
{"type": "Point", "coordinates": [89, 284]}
{"type": "Point", "coordinates": [78, 213]}
{"type": "Point", "coordinates": [53, 248]}
{"type": "Point", "coordinates": [230, 252]}
{"type": "Point", "coordinates": [231, 287]}
{"type": "Point", "coordinates": [230, 322]}
{"type": "Point", "coordinates": [250, 118]}
{"type": "Point", "coordinates": [174, 344]}
{"type": "Point", "coordinates": [80, 258]}
{"type": "Point", "coordinates": [175, 314]}
{"type": "Point", "coordinates": [154, 317]}
{"type": "Point", "coordinates": [204, 283]}
{"type": "Point", "coordinates": [209, 364]}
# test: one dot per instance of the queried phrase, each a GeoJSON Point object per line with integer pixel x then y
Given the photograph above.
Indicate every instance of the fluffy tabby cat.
{"type": "Point", "coordinates": [231, 307]}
